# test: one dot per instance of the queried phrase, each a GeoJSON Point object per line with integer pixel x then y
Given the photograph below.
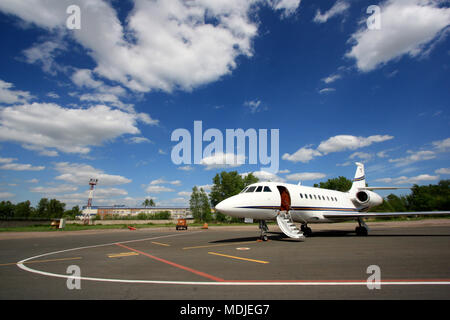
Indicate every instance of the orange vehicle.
{"type": "Point", "coordinates": [181, 224]}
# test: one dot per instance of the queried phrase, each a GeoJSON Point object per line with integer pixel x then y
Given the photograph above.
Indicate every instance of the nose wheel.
{"type": "Point", "coordinates": [263, 228]}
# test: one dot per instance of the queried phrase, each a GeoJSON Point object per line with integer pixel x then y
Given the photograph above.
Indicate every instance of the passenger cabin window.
{"type": "Point", "coordinates": [301, 196]}
{"type": "Point", "coordinates": [259, 189]}
{"type": "Point", "coordinates": [267, 189]}
{"type": "Point", "coordinates": [251, 189]}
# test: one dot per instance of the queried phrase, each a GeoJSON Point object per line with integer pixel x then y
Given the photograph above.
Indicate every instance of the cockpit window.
{"type": "Point", "coordinates": [259, 189]}
{"type": "Point", "coordinates": [243, 190]}
{"type": "Point", "coordinates": [251, 189]}
{"type": "Point", "coordinates": [267, 189]}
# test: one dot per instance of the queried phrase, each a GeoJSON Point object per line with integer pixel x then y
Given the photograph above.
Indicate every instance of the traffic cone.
{"type": "Point", "coordinates": [205, 226]}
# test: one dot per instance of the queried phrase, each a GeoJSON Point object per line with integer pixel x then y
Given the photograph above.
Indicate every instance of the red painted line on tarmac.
{"type": "Point", "coordinates": [202, 274]}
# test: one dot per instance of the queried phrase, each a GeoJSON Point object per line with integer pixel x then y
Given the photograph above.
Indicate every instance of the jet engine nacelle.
{"type": "Point", "coordinates": [367, 198]}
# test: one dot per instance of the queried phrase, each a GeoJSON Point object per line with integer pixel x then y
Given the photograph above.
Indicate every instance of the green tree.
{"type": "Point", "coordinates": [55, 209]}
{"type": "Point", "coordinates": [340, 184]}
{"type": "Point", "coordinates": [195, 204]}
{"type": "Point", "coordinates": [7, 209]}
{"type": "Point", "coordinates": [23, 209]}
{"type": "Point", "coordinates": [148, 203]}
{"type": "Point", "coordinates": [205, 208]}
{"type": "Point", "coordinates": [72, 213]}
{"type": "Point", "coordinates": [431, 197]}
{"type": "Point", "coordinates": [42, 208]}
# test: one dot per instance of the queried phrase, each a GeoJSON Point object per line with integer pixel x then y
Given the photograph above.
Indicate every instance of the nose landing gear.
{"type": "Point", "coordinates": [264, 229]}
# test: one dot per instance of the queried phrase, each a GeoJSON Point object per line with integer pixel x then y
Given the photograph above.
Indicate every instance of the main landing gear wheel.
{"type": "Point", "coordinates": [361, 231]}
{"type": "Point", "coordinates": [306, 230]}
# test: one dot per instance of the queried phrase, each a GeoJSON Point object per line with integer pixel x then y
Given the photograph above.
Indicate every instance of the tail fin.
{"type": "Point", "coordinates": [360, 179]}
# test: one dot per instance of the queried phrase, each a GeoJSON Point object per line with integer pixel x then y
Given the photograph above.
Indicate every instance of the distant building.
{"type": "Point", "coordinates": [175, 212]}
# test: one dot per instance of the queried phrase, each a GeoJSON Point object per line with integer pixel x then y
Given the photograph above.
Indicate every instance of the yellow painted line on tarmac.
{"type": "Point", "coordinates": [239, 258]}
{"type": "Point", "coordinates": [161, 244]}
{"type": "Point", "coordinates": [41, 261]}
{"type": "Point", "coordinates": [218, 245]}
{"type": "Point", "coordinates": [123, 254]}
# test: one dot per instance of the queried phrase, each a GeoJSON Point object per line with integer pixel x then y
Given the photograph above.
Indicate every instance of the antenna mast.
{"type": "Point", "coordinates": [87, 215]}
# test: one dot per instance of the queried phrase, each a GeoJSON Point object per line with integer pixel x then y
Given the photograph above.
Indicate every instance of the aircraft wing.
{"type": "Point", "coordinates": [383, 188]}
{"type": "Point", "coordinates": [341, 215]}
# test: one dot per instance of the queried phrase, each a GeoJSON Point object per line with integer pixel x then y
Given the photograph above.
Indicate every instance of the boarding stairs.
{"type": "Point", "coordinates": [284, 220]}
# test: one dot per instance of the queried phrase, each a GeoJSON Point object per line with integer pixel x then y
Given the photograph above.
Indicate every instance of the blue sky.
{"type": "Point", "coordinates": [103, 100]}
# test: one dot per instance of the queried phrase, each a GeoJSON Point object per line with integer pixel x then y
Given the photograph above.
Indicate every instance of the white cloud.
{"type": "Point", "coordinates": [414, 156]}
{"type": "Point", "coordinates": [408, 27]}
{"type": "Point", "coordinates": [348, 142]}
{"type": "Point", "coordinates": [304, 155]}
{"type": "Point", "coordinates": [164, 44]}
{"type": "Point", "coordinates": [409, 180]}
{"type": "Point", "coordinates": [45, 54]}
{"type": "Point", "coordinates": [206, 187]}
{"type": "Point", "coordinates": [6, 195]}
{"type": "Point", "coordinates": [326, 90]}
{"type": "Point", "coordinates": [139, 140]}
{"type": "Point", "coordinates": [21, 167]}
{"type": "Point", "coordinates": [34, 180]}
{"type": "Point", "coordinates": [8, 164]}
{"type": "Point", "coordinates": [7, 160]}
{"type": "Point", "coordinates": [185, 193]}
{"type": "Point", "coordinates": [331, 78]}
{"type": "Point", "coordinates": [304, 176]}
{"type": "Point", "coordinates": [361, 155]}
{"type": "Point", "coordinates": [158, 189]}
{"type": "Point", "coordinates": [442, 145]}
{"type": "Point", "coordinates": [442, 171]}
{"type": "Point", "coordinates": [287, 6]}
{"type": "Point", "coordinates": [338, 8]}
{"type": "Point", "coordinates": [162, 181]}
{"type": "Point", "coordinates": [57, 189]}
{"type": "Point", "coordinates": [9, 96]}
{"type": "Point", "coordinates": [334, 144]}
{"type": "Point", "coordinates": [53, 95]}
{"type": "Point", "coordinates": [80, 174]}
{"type": "Point", "coordinates": [265, 176]}
{"type": "Point", "coordinates": [186, 168]}
{"type": "Point", "coordinates": [223, 160]}
{"type": "Point", "coordinates": [48, 125]}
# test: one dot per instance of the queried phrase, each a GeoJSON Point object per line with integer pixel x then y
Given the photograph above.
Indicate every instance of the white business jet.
{"type": "Point", "coordinates": [289, 203]}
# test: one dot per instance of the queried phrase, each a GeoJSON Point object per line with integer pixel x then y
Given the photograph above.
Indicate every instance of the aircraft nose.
{"type": "Point", "coordinates": [223, 206]}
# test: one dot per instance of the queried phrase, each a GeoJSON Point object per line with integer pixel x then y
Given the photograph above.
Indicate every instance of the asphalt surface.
{"type": "Point", "coordinates": [229, 263]}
